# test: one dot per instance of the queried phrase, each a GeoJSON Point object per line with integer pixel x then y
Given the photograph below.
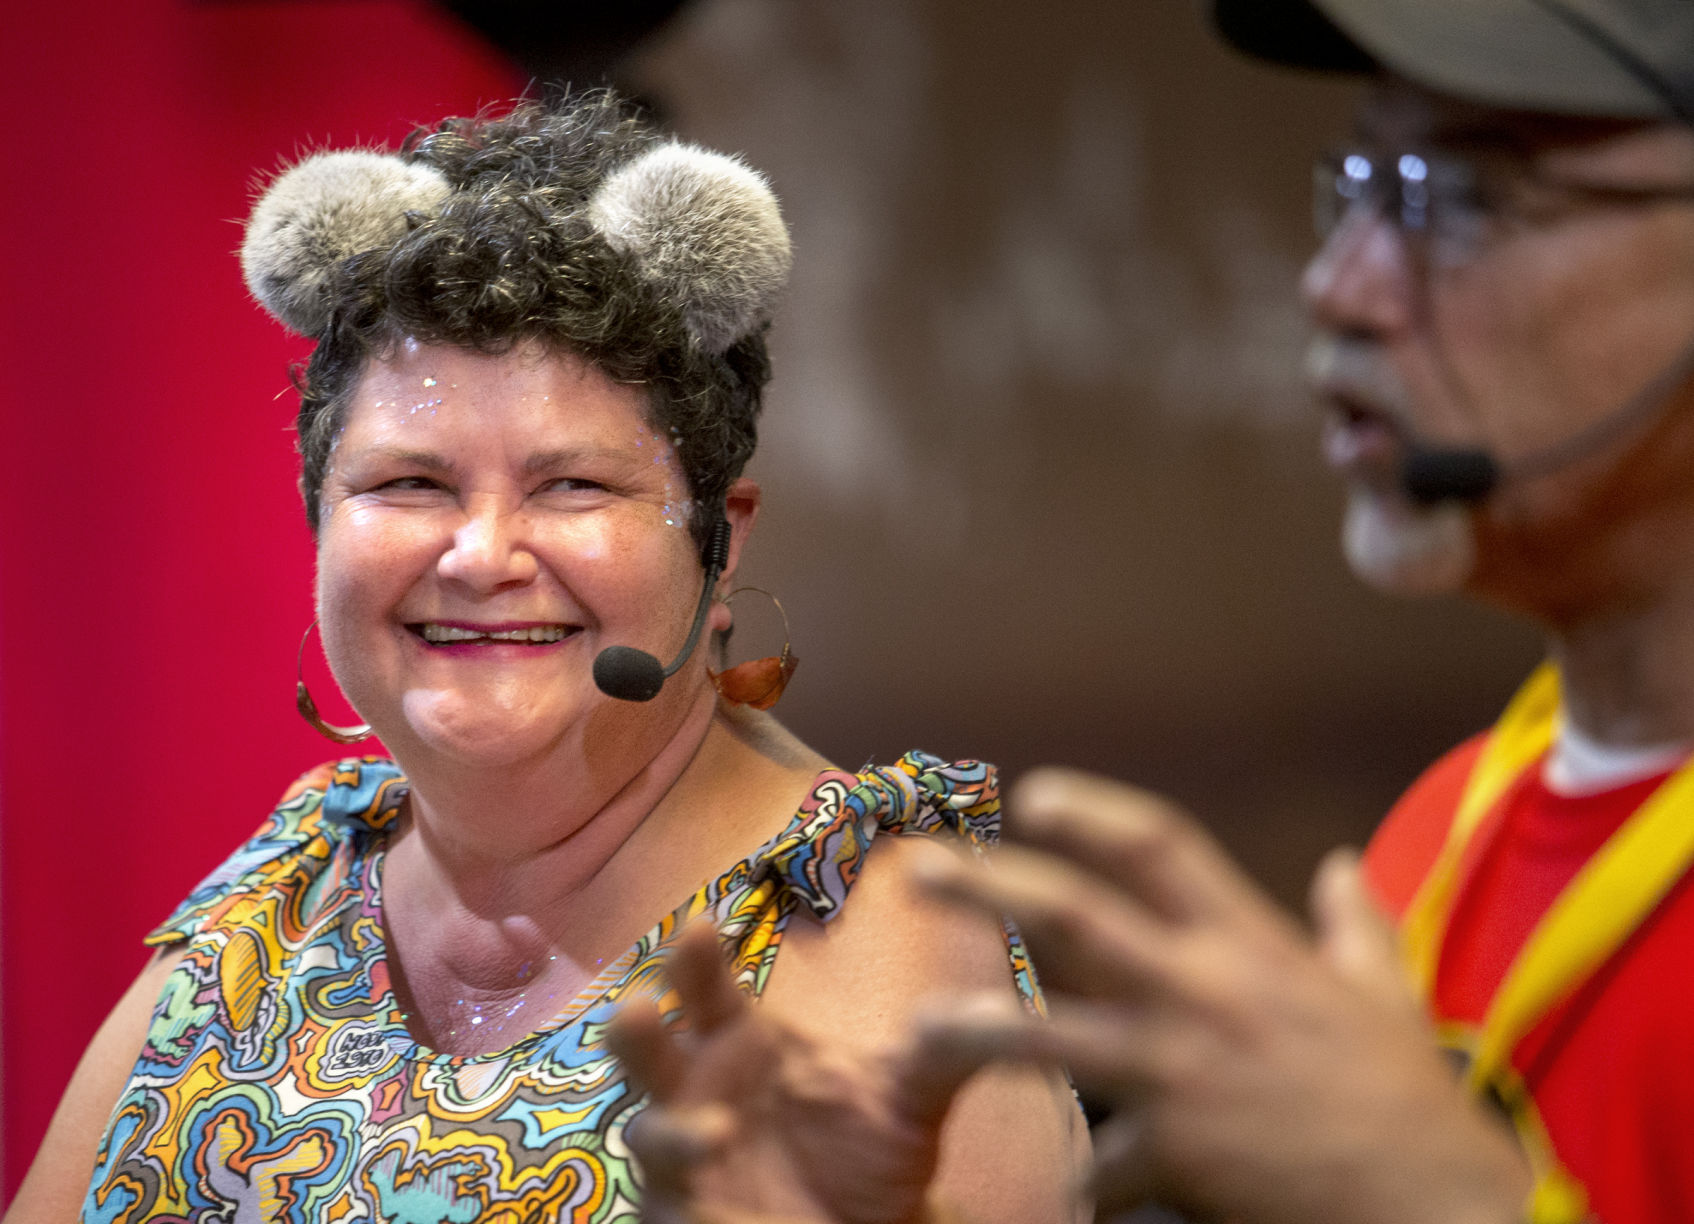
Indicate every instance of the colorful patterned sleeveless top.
{"type": "Point", "coordinates": [278, 1081]}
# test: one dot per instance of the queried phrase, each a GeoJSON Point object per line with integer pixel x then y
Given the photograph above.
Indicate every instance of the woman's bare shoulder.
{"type": "Point", "coordinates": [888, 948]}
{"type": "Point", "coordinates": [53, 1189]}
{"type": "Point", "coordinates": [1014, 1144]}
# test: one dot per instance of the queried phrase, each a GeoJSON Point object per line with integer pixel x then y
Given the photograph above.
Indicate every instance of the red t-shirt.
{"type": "Point", "coordinates": [1611, 1069]}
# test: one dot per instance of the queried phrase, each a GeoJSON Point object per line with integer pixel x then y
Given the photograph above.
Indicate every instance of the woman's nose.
{"type": "Point", "coordinates": [1363, 279]}
{"type": "Point", "coordinates": [490, 548]}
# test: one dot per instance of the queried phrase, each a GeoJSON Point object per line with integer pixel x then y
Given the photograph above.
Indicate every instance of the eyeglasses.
{"type": "Point", "coordinates": [1453, 207]}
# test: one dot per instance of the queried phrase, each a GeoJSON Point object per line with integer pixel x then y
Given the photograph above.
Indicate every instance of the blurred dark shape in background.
{"type": "Point", "coordinates": [562, 44]}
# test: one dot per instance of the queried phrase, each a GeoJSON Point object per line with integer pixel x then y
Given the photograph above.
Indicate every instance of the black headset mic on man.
{"type": "Point", "coordinates": [1430, 474]}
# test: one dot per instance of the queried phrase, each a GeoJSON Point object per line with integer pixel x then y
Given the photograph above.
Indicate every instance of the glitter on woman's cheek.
{"type": "Point", "coordinates": [676, 511]}
{"type": "Point", "coordinates": [334, 449]}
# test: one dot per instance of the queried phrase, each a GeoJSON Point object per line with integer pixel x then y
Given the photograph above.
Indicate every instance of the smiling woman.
{"type": "Point", "coordinates": [539, 359]}
{"type": "Point", "coordinates": [489, 524]}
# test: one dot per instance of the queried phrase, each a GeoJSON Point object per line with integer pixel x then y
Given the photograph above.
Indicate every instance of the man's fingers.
{"type": "Point", "coordinates": [697, 971]}
{"type": "Point", "coordinates": [1113, 1051]}
{"type": "Point", "coordinates": [1123, 1053]}
{"type": "Point", "coordinates": [671, 1144]}
{"type": "Point", "coordinates": [1105, 1049]}
{"type": "Point", "coordinates": [1137, 840]}
{"type": "Point", "coordinates": [1087, 939]}
{"type": "Point", "coordinates": [952, 1045]}
{"type": "Point", "coordinates": [638, 1037]}
{"type": "Point", "coordinates": [709, 999]}
{"type": "Point", "coordinates": [1353, 935]}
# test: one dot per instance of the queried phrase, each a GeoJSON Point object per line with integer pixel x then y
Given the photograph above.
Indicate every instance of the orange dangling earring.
{"type": "Point", "coordinates": [758, 682]}
{"type": "Point", "coordinates": [309, 708]}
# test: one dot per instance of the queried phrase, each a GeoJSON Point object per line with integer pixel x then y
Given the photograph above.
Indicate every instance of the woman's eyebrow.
{"type": "Point", "coordinates": [429, 460]}
{"type": "Point", "coordinates": [547, 461]}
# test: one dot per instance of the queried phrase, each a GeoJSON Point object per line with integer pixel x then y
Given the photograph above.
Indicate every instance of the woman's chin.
{"type": "Point", "coordinates": [478, 734]}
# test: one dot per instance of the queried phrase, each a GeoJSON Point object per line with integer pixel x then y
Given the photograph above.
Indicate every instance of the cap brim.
{"type": "Point", "coordinates": [1515, 54]}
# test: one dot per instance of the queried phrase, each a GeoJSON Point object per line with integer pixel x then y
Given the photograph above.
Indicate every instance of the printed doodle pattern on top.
{"type": "Point", "coordinates": [279, 1083]}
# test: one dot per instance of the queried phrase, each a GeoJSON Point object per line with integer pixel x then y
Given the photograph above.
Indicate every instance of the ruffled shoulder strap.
{"type": "Point", "coordinates": [816, 859]}
{"type": "Point", "coordinates": [820, 855]}
{"type": "Point", "coordinates": [323, 808]}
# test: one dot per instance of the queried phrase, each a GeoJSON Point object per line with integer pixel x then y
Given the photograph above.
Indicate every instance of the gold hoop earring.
{"type": "Point", "coordinates": [758, 682]}
{"type": "Point", "coordinates": [309, 708]}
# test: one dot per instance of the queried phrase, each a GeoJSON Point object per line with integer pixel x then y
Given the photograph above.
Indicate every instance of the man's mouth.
{"type": "Point", "coordinates": [1357, 434]}
{"type": "Point", "coordinates": [1361, 394]}
{"type": "Point", "coordinates": [438, 634]}
{"type": "Point", "coordinates": [1358, 414]}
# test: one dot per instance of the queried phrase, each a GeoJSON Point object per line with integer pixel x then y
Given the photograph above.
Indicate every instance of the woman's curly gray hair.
{"type": "Point", "coordinates": [571, 224]}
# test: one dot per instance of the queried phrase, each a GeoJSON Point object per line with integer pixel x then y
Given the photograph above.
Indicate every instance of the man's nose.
{"type": "Point", "coordinates": [1363, 279]}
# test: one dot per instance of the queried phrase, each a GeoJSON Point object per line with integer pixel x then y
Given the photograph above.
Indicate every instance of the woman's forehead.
{"type": "Point", "coordinates": [529, 400]}
{"type": "Point", "coordinates": [526, 360]}
{"type": "Point", "coordinates": [530, 372]}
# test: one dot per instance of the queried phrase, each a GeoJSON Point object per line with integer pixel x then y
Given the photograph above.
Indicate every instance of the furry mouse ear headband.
{"type": "Point", "coordinates": [703, 229]}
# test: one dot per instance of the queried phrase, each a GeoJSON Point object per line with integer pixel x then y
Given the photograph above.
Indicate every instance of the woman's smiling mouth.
{"type": "Point", "coordinates": [438, 634]}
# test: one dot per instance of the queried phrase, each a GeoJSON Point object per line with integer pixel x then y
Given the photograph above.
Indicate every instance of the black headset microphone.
{"type": "Point", "coordinates": [634, 675]}
{"type": "Point", "coordinates": [1431, 474]}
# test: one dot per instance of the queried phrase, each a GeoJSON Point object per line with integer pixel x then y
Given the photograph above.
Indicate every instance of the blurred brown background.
{"type": "Point", "coordinates": [1042, 483]}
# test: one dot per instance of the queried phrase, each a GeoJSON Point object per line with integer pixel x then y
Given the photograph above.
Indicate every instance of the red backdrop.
{"type": "Point", "coordinates": [155, 571]}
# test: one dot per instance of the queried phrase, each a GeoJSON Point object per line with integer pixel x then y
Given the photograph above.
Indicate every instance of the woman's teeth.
{"type": "Point", "coordinates": [452, 633]}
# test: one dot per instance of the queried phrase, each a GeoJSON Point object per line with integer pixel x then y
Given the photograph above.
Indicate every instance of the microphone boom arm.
{"type": "Point", "coordinates": [629, 674]}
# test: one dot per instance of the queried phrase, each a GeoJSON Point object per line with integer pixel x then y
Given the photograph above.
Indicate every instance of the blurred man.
{"type": "Point", "coordinates": [1503, 309]}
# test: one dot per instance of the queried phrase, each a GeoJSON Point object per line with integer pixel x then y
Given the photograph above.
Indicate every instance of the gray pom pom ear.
{"type": "Point", "coordinates": [705, 230]}
{"type": "Point", "coordinates": [327, 207]}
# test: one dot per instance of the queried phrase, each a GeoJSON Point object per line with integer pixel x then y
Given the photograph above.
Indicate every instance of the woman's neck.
{"type": "Point", "coordinates": [526, 834]}
{"type": "Point", "coordinates": [507, 897]}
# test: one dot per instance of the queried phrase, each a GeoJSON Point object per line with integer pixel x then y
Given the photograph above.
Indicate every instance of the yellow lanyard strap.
{"type": "Point", "coordinates": [1607, 899]}
{"type": "Point", "coordinates": [1521, 737]}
